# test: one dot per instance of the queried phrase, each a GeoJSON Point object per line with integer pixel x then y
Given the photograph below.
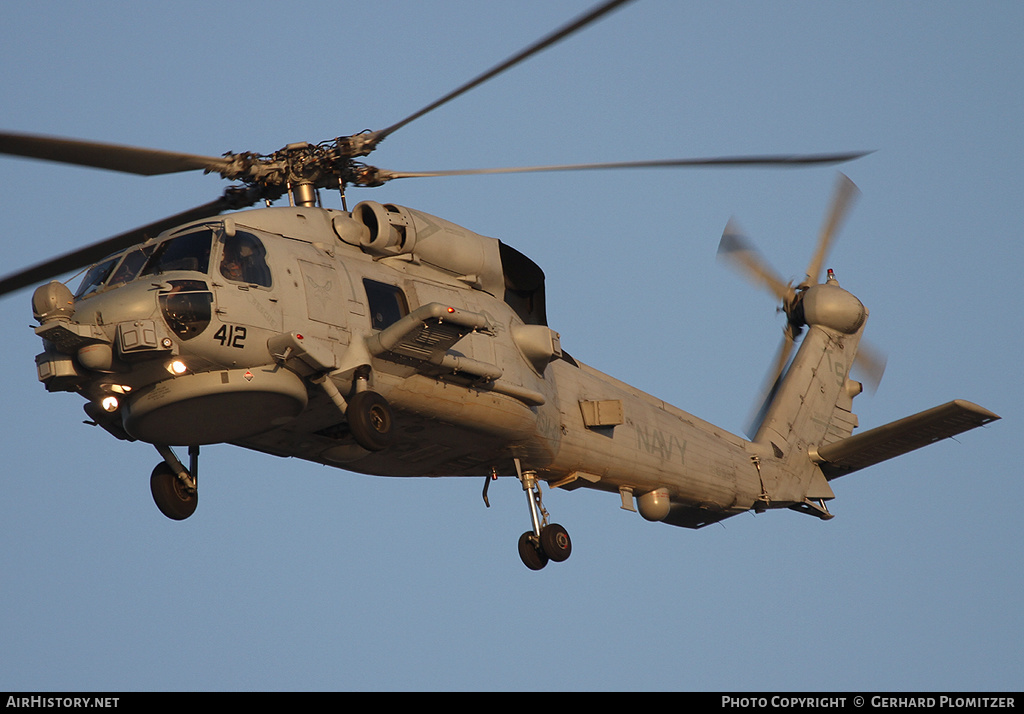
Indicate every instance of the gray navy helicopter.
{"type": "Point", "coordinates": [388, 341]}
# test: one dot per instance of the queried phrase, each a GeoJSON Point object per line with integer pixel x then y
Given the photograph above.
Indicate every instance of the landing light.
{"type": "Point", "coordinates": [109, 403]}
{"type": "Point", "coordinates": [177, 367]}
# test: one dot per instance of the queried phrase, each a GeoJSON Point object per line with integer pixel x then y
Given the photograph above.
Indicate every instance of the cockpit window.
{"type": "Point", "coordinates": [130, 266]}
{"type": "Point", "coordinates": [190, 251]}
{"type": "Point", "coordinates": [95, 277]}
{"type": "Point", "coordinates": [244, 260]}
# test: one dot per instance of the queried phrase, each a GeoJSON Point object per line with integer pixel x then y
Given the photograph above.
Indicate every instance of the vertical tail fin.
{"type": "Point", "coordinates": [813, 403]}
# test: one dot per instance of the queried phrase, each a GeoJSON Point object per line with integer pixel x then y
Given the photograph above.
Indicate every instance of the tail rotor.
{"type": "Point", "coordinates": [737, 249]}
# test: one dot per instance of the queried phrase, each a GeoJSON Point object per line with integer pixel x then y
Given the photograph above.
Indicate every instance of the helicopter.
{"type": "Point", "coordinates": [388, 341]}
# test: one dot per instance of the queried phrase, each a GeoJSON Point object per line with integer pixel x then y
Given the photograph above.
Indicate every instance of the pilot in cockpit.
{"type": "Point", "coordinates": [237, 257]}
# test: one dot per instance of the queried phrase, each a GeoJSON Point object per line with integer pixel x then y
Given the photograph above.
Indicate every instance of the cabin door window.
{"type": "Point", "coordinates": [387, 303]}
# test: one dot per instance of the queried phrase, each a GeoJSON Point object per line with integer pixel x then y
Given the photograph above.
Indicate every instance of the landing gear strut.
{"type": "Point", "coordinates": [175, 488]}
{"type": "Point", "coordinates": [547, 541]}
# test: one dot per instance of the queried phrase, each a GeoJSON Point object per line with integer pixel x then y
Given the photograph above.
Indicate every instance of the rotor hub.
{"type": "Point", "coordinates": [829, 305]}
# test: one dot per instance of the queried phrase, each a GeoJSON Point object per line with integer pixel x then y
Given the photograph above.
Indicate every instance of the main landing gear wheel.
{"type": "Point", "coordinates": [370, 420]}
{"type": "Point", "coordinates": [174, 499]}
{"type": "Point", "coordinates": [529, 550]}
{"type": "Point", "coordinates": [555, 543]}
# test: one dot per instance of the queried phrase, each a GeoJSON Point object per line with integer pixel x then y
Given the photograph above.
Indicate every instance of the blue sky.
{"type": "Point", "coordinates": [296, 576]}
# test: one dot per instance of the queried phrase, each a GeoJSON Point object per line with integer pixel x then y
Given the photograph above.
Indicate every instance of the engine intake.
{"type": "Point", "coordinates": [396, 230]}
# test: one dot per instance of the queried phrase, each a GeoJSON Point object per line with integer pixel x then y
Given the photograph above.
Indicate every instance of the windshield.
{"type": "Point", "coordinates": [96, 275]}
{"type": "Point", "coordinates": [186, 252]}
{"type": "Point", "coordinates": [130, 266]}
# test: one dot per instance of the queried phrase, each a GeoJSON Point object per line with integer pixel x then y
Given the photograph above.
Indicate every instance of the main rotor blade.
{"type": "Point", "coordinates": [97, 251]}
{"type": "Point", "coordinates": [114, 157]}
{"type": "Point", "coordinates": [845, 193]}
{"type": "Point", "coordinates": [736, 248]}
{"type": "Point", "coordinates": [766, 160]}
{"type": "Point", "coordinates": [545, 42]}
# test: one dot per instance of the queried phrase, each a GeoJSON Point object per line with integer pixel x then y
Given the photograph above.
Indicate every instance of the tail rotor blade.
{"type": "Point", "coordinates": [736, 248]}
{"type": "Point", "coordinates": [845, 193]}
{"type": "Point", "coordinates": [870, 366]}
{"type": "Point", "coordinates": [772, 382]}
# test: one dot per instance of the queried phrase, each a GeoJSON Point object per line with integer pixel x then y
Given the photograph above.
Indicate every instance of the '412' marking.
{"type": "Point", "coordinates": [231, 336]}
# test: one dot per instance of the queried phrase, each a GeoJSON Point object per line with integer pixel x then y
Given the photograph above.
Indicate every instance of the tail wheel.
{"type": "Point", "coordinates": [172, 497]}
{"type": "Point", "coordinates": [370, 420]}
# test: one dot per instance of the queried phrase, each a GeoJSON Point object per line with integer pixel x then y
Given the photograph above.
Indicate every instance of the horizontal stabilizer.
{"type": "Point", "coordinates": [899, 437]}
